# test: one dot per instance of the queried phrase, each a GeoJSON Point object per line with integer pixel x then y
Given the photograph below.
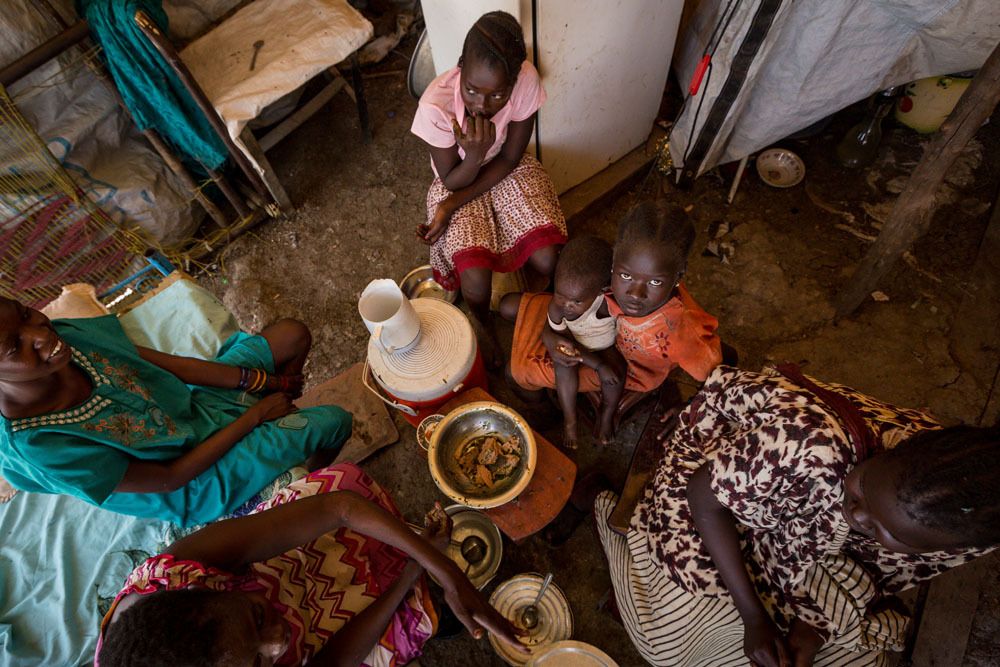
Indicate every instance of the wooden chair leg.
{"type": "Point", "coordinates": [359, 98]}
{"type": "Point", "coordinates": [163, 46]}
{"type": "Point", "coordinates": [645, 457]}
{"type": "Point", "coordinates": [269, 177]}
{"type": "Point", "coordinates": [227, 190]}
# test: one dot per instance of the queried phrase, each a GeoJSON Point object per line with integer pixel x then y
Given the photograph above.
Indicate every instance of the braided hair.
{"type": "Point", "coordinates": [497, 40]}
{"type": "Point", "coordinates": [656, 223]}
{"type": "Point", "coordinates": [168, 629]}
{"type": "Point", "coordinates": [585, 261]}
{"type": "Point", "coordinates": [949, 479]}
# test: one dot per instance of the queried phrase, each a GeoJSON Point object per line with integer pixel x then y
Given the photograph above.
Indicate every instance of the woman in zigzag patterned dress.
{"type": "Point", "coordinates": [302, 579]}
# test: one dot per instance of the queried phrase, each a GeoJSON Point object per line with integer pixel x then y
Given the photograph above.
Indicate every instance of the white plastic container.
{"type": "Point", "coordinates": [444, 362]}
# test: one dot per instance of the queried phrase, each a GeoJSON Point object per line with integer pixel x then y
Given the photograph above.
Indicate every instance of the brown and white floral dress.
{"type": "Point", "coordinates": [500, 229]}
{"type": "Point", "coordinates": [778, 457]}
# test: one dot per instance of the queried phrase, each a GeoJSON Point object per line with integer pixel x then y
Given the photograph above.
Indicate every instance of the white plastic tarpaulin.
{"type": "Point", "coordinates": [778, 66]}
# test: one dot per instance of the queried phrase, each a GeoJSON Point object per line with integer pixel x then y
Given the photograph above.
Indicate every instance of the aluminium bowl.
{"type": "Point", "coordinates": [469, 522]}
{"type": "Point", "coordinates": [461, 425]}
{"type": "Point", "coordinates": [420, 284]}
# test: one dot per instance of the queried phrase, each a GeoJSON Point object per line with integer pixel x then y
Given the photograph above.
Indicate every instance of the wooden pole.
{"type": "Point", "coordinates": [911, 215]}
{"type": "Point", "coordinates": [37, 57]}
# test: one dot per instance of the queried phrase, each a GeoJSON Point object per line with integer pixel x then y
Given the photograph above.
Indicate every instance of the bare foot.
{"type": "Point", "coordinates": [606, 433]}
{"type": "Point", "coordinates": [569, 436]}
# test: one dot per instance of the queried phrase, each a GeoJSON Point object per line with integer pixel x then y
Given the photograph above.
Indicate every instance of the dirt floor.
{"type": "Point", "coordinates": [358, 205]}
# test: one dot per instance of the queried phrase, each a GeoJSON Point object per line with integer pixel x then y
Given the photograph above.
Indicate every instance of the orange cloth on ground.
{"type": "Point", "coordinates": [679, 333]}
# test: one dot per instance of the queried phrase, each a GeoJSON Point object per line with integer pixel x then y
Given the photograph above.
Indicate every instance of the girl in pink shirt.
{"type": "Point", "coordinates": [491, 207]}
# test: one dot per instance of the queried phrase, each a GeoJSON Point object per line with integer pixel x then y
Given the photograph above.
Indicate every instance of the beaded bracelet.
{"type": "Point", "coordinates": [244, 379]}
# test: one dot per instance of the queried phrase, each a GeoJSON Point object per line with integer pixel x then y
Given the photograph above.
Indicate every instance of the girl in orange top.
{"type": "Point", "coordinates": [660, 326]}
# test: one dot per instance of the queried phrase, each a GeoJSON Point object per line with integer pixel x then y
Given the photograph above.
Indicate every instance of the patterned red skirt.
{"type": "Point", "coordinates": [500, 229]}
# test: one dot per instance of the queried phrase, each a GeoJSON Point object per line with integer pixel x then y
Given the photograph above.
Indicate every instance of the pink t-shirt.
{"type": "Point", "coordinates": [442, 102]}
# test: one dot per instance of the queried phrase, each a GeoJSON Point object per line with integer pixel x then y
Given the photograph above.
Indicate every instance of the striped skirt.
{"type": "Point", "coordinates": [669, 626]}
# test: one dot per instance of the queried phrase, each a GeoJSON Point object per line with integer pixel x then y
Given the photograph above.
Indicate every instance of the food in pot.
{"type": "Point", "coordinates": [486, 461]}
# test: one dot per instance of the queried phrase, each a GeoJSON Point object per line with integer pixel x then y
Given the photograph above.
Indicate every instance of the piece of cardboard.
{"type": "Point", "coordinates": [373, 425]}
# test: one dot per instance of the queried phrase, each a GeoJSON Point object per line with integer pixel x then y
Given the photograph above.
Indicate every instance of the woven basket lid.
{"type": "Point", "coordinates": [442, 358]}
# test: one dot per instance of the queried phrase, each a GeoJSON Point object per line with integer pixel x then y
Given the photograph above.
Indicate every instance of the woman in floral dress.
{"type": "Point", "coordinates": [784, 515]}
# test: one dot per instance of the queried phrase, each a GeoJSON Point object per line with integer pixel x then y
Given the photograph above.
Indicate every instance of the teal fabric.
{"type": "Point", "coordinates": [138, 410]}
{"type": "Point", "coordinates": [184, 319]}
{"type": "Point", "coordinates": [150, 89]}
{"type": "Point", "coordinates": [62, 561]}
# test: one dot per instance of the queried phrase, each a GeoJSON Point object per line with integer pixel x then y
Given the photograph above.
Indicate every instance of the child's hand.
{"type": "Point", "coordinates": [429, 234]}
{"type": "Point", "coordinates": [437, 527]}
{"type": "Point", "coordinates": [564, 352]}
{"type": "Point", "coordinates": [476, 137]}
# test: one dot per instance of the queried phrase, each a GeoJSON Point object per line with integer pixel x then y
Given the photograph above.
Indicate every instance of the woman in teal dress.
{"type": "Point", "coordinates": [85, 412]}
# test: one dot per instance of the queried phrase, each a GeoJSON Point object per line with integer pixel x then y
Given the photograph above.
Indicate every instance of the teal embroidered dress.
{"type": "Point", "coordinates": [139, 411]}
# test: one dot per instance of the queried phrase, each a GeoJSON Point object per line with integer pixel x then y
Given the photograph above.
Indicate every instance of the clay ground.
{"type": "Point", "coordinates": [357, 207]}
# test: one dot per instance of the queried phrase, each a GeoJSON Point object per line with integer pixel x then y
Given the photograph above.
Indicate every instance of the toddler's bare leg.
{"type": "Point", "coordinates": [611, 392]}
{"type": "Point", "coordinates": [567, 385]}
{"type": "Point", "coordinates": [509, 305]}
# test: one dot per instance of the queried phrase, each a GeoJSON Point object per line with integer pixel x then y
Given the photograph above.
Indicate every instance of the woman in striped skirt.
{"type": "Point", "coordinates": [784, 515]}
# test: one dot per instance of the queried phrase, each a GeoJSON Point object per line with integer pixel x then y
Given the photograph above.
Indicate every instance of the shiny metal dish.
{"type": "Point", "coordinates": [571, 654]}
{"type": "Point", "coordinates": [421, 70]}
{"type": "Point", "coordinates": [468, 522]}
{"type": "Point", "coordinates": [555, 618]}
{"type": "Point", "coordinates": [420, 284]}
{"type": "Point", "coordinates": [461, 425]}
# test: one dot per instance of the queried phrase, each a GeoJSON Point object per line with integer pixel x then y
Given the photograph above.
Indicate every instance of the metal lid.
{"type": "Point", "coordinates": [555, 618]}
{"type": "Point", "coordinates": [571, 654]}
{"type": "Point", "coordinates": [442, 358]}
{"type": "Point", "coordinates": [468, 522]}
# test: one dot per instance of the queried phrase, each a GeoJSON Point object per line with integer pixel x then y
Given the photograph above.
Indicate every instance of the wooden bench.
{"type": "Point", "coordinates": [546, 494]}
{"type": "Point", "coordinates": [645, 456]}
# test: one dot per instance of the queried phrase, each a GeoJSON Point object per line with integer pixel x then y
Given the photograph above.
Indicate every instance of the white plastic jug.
{"type": "Point", "coordinates": [389, 316]}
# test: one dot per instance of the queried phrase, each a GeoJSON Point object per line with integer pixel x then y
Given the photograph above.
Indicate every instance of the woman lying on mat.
{"type": "Point", "coordinates": [325, 573]}
{"type": "Point", "coordinates": [785, 514]}
{"type": "Point", "coordinates": [85, 412]}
